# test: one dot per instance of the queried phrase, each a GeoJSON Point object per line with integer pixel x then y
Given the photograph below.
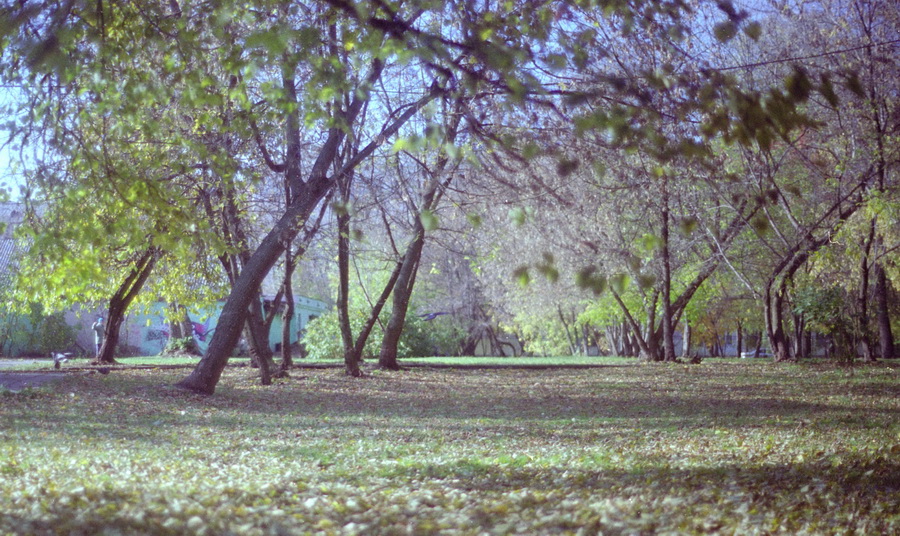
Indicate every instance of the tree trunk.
{"type": "Point", "coordinates": [774, 312]}
{"type": "Point", "coordinates": [686, 340]}
{"type": "Point", "coordinates": [614, 340]}
{"type": "Point", "coordinates": [649, 347]}
{"type": "Point", "coordinates": [862, 319]}
{"type": "Point", "coordinates": [885, 337]}
{"type": "Point", "coordinates": [258, 332]}
{"type": "Point", "coordinates": [121, 300]}
{"type": "Point", "coordinates": [740, 339]}
{"type": "Point", "coordinates": [799, 336]}
{"type": "Point", "coordinates": [206, 374]}
{"type": "Point", "coordinates": [180, 327]}
{"type": "Point", "coordinates": [666, 320]}
{"type": "Point", "coordinates": [306, 196]}
{"type": "Point", "coordinates": [176, 323]}
{"type": "Point", "coordinates": [387, 358]}
{"type": "Point", "coordinates": [586, 340]}
{"type": "Point", "coordinates": [406, 278]}
{"type": "Point", "coordinates": [351, 360]}
{"type": "Point", "coordinates": [288, 316]}
{"type": "Point", "coordinates": [565, 325]}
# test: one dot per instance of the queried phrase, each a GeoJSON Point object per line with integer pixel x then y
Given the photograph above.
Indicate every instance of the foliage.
{"type": "Point", "coordinates": [420, 338]}
{"type": "Point", "coordinates": [184, 345]}
{"type": "Point", "coordinates": [35, 331]}
{"type": "Point", "coordinates": [540, 334]}
{"type": "Point", "coordinates": [621, 449]}
{"type": "Point", "coordinates": [826, 308]}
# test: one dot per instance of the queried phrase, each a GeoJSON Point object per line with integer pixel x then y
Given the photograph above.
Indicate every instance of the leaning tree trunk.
{"type": "Point", "coordinates": [406, 278]}
{"type": "Point", "coordinates": [121, 300]}
{"type": "Point", "coordinates": [570, 338]}
{"type": "Point", "coordinates": [307, 195]}
{"type": "Point", "coordinates": [649, 347]}
{"type": "Point", "coordinates": [387, 358]}
{"type": "Point", "coordinates": [206, 374]}
{"type": "Point", "coordinates": [363, 336]}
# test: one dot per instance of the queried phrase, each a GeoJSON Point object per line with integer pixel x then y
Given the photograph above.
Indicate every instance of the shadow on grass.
{"type": "Point", "coordinates": [145, 408]}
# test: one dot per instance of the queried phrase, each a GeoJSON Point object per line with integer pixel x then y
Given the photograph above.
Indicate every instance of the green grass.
{"type": "Point", "coordinates": [725, 448]}
{"type": "Point", "coordinates": [46, 363]}
{"type": "Point", "coordinates": [515, 361]}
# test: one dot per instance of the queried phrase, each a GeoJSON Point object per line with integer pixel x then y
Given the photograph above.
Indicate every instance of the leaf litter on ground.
{"type": "Point", "coordinates": [633, 449]}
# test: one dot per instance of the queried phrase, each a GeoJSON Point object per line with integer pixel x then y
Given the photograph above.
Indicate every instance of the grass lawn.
{"type": "Point", "coordinates": [46, 363]}
{"type": "Point", "coordinates": [723, 447]}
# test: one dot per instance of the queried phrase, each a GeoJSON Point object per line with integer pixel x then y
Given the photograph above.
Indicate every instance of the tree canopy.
{"type": "Point", "coordinates": [642, 157]}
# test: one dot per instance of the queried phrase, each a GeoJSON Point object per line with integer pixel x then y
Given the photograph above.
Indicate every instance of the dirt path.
{"type": "Point", "coordinates": [16, 381]}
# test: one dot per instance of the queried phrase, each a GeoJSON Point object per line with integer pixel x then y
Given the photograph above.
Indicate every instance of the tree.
{"type": "Point", "coordinates": [300, 77]}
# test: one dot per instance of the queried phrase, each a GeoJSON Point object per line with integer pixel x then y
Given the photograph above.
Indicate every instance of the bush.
{"type": "Point", "coordinates": [183, 345]}
{"type": "Point", "coordinates": [419, 339]}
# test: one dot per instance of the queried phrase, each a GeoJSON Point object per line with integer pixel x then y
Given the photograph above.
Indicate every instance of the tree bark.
{"type": "Point", "coordinates": [351, 360]}
{"type": "Point", "coordinates": [206, 374]}
{"type": "Point", "coordinates": [569, 338]}
{"type": "Point", "coordinates": [406, 278]}
{"type": "Point", "coordinates": [387, 358]}
{"type": "Point", "coordinates": [862, 319]}
{"type": "Point", "coordinates": [288, 316]}
{"type": "Point", "coordinates": [774, 313]}
{"type": "Point", "coordinates": [883, 319]}
{"type": "Point", "coordinates": [306, 196]}
{"type": "Point", "coordinates": [667, 332]}
{"type": "Point", "coordinates": [258, 332]}
{"type": "Point", "coordinates": [121, 300]}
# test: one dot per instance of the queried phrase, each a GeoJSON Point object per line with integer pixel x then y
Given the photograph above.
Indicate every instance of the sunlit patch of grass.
{"type": "Point", "coordinates": [715, 448]}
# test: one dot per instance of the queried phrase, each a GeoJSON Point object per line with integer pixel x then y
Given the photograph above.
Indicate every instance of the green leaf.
{"type": "Point", "coordinates": [517, 215]}
{"type": "Point", "coordinates": [548, 269]}
{"type": "Point", "coordinates": [523, 278]}
{"type": "Point", "coordinates": [566, 167]}
{"type": "Point", "coordinates": [646, 280]}
{"type": "Point", "coordinates": [753, 30]}
{"type": "Point", "coordinates": [798, 84]}
{"type": "Point", "coordinates": [429, 219]}
{"type": "Point", "coordinates": [649, 243]}
{"type": "Point", "coordinates": [827, 91]}
{"type": "Point", "coordinates": [340, 208]}
{"type": "Point", "coordinates": [619, 283]}
{"type": "Point", "coordinates": [587, 278]}
{"type": "Point", "coordinates": [854, 85]}
{"type": "Point", "coordinates": [725, 31]}
{"type": "Point", "coordinates": [688, 225]}
{"type": "Point", "coordinates": [272, 40]}
{"type": "Point", "coordinates": [761, 224]}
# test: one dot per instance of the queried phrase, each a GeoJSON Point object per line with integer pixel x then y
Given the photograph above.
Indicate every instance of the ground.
{"type": "Point", "coordinates": [717, 448]}
{"type": "Point", "coordinates": [16, 381]}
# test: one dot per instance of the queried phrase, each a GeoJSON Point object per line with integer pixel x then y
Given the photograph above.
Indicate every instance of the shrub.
{"type": "Point", "coordinates": [183, 345]}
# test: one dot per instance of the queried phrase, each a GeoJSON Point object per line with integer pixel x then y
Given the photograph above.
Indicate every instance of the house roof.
{"type": "Point", "coordinates": [11, 215]}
